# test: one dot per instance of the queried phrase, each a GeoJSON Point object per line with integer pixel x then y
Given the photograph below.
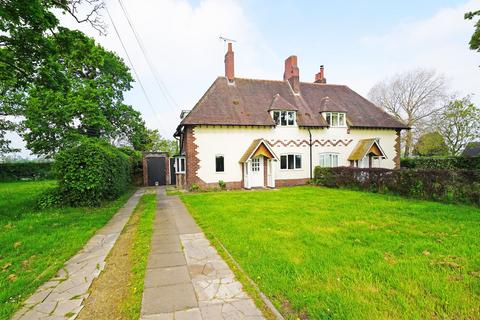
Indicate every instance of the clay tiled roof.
{"type": "Point", "coordinates": [363, 147]}
{"type": "Point", "coordinates": [279, 103]}
{"type": "Point", "coordinates": [248, 101]}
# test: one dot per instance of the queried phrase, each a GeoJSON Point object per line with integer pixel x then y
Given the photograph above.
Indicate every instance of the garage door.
{"type": "Point", "coordinates": [156, 171]}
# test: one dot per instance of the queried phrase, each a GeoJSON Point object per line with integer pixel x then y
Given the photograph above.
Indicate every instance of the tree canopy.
{"type": "Point", "coordinates": [412, 97]}
{"type": "Point", "coordinates": [475, 39]}
{"type": "Point", "coordinates": [59, 81]}
{"type": "Point", "coordinates": [459, 124]}
{"type": "Point", "coordinates": [157, 143]}
{"type": "Point", "coordinates": [430, 144]}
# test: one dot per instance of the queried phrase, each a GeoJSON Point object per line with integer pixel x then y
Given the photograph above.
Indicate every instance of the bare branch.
{"type": "Point", "coordinates": [85, 11]}
{"type": "Point", "coordinates": [412, 97]}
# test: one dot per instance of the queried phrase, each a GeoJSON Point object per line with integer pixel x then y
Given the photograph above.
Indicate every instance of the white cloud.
{"type": "Point", "coordinates": [439, 42]}
{"type": "Point", "coordinates": [182, 42]}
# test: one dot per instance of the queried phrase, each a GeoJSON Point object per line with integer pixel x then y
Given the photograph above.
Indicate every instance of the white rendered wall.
{"type": "Point", "coordinates": [232, 142]}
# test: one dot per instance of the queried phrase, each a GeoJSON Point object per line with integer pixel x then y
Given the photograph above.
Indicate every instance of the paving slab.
{"type": "Point", "coordinates": [186, 278]}
{"type": "Point", "coordinates": [62, 297]}
{"type": "Point", "coordinates": [169, 298]}
{"type": "Point", "coordinates": [167, 276]}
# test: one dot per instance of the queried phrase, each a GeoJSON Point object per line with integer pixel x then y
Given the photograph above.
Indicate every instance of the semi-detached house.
{"type": "Point", "coordinates": [253, 133]}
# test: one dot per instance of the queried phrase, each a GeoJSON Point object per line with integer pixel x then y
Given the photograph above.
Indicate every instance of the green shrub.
{"type": "Point", "coordinates": [194, 187]}
{"type": "Point", "coordinates": [50, 199]}
{"type": "Point", "coordinates": [91, 172]}
{"type": "Point", "coordinates": [324, 177]}
{"type": "Point", "coordinates": [461, 186]}
{"type": "Point", "coordinates": [26, 170]}
{"type": "Point", "coordinates": [450, 163]}
{"type": "Point", "coordinates": [222, 184]}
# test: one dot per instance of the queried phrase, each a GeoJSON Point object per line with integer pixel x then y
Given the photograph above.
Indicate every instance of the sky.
{"type": "Point", "coordinates": [359, 42]}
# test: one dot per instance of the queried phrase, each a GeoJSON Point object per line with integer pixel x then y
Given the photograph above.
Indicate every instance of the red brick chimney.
{"type": "Point", "coordinates": [229, 65]}
{"type": "Point", "coordinates": [320, 77]}
{"type": "Point", "coordinates": [292, 74]}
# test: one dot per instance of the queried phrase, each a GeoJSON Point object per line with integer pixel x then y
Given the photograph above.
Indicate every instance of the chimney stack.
{"type": "Point", "coordinates": [292, 73]}
{"type": "Point", "coordinates": [229, 64]}
{"type": "Point", "coordinates": [320, 77]}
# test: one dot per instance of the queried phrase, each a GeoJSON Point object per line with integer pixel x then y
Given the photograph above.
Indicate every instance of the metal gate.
{"type": "Point", "coordinates": [156, 171]}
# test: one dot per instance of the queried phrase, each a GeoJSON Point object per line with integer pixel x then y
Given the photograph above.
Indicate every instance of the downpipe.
{"type": "Point", "coordinates": [310, 146]}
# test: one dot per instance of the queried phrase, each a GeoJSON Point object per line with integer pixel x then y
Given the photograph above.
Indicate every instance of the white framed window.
{"type": "Point", "coordinates": [335, 119]}
{"type": "Point", "coordinates": [256, 164]}
{"type": "Point", "coordinates": [284, 118]}
{"type": "Point", "coordinates": [328, 160]}
{"type": "Point", "coordinates": [290, 161]}
{"type": "Point", "coordinates": [180, 165]}
{"type": "Point", "coordinates": [219, 163]}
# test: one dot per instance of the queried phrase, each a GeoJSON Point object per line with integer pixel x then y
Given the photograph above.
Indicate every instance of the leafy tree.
{"type": "Point", "coordinates": [159, 144]}
{"type": "Point", "coordinates": [459, 124]}
{"type": "Point", "coordinates": [411, 97]}
{"type": "Point", "coordinates": [475, 39]}
{"type": "Point", "coordinates": [62, 83]}
{"type": "Point", "coordinates": [6, 126]}
{"type": "Point", "coordinates": [430, 144]}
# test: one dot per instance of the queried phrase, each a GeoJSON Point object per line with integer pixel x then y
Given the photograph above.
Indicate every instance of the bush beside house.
{"type": "Point", "coordinates": [91, 172]}
{"type": "Point", "coordinates": [462, 186]}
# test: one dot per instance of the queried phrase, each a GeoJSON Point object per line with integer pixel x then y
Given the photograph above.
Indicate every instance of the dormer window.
{"type": "Point", "coordinates": [284, 118]}
{"type": "Point", "coordinates": [335, 119]}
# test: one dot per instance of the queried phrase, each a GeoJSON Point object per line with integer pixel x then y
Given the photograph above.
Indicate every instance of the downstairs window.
{"type": "Point", "coordinates": [290, 161]}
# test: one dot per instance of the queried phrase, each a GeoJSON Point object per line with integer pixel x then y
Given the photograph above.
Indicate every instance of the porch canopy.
{"type": "Point", "coordinates": [256, 172]}
{"type": "Point", "coordinates": [258, 147]}
{"type": "Point", "coordinates": [366, 147]}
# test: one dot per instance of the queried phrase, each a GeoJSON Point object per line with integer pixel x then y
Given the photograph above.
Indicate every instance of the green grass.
{"type": "Point", "coordinates": [327, 253]}
{"type": "Point", "coordinates": [35, 244]}
{"type": "Point", "coordinates": [141, 248]}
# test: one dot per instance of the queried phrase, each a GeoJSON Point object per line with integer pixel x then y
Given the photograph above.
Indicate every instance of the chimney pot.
{"type": "Point", "coordinates": [229, 64]}
{"type": "Point", "coordinates": [292, 73]}
{"type": "Point", "coordinates": [320, 77]}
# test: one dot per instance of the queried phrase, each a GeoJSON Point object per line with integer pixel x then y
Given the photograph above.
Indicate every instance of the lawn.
{"type": "Point", "coordinates": [326, 253]}
{"type": "Point", "coordinates": [34, 244]}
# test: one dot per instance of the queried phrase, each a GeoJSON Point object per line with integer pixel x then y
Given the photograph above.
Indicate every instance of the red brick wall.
{"type": "Point", "coordinates": [290, 182]}
{"type": "Point", "coordinates": [191, 158]}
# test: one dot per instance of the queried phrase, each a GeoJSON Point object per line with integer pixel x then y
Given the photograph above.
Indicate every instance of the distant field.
{"type": "Point", "coordinates": [35, 244]}
{"type": "Point", "coordinates": [321, 253]}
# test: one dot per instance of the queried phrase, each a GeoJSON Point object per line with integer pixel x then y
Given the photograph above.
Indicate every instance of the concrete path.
{"type": "Point", "coordinates": [186, 278]}
{"type": "Point", "coordinates": [63, 295]}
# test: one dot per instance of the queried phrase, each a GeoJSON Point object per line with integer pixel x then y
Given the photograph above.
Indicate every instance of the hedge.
{"type": "Point", "coordinates": [26, 170]}
{"type": "Point", "coordinates": [136, 163]}
{"type": "Point", "coordinates": [450, 163]}
{"type": "Point", "coordinates": [92, 172]}
{"type": "Point", "coordinates": [459, 186]}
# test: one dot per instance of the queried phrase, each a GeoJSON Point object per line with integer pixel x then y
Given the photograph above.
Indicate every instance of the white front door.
{"type": "Point", "coordinates": [256, 172]}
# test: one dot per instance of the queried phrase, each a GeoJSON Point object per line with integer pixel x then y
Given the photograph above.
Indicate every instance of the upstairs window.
{"type": "Point", "coordinates": [291, 161]}
{"type": "Point", "coordinates": [180, 164]}
{"type": "Point", "coordinates": [219, 164]}
{"type": "Point", "coordinates": [335, 119]}
{"type": "Point", "coordinates": [284, 118]}
{"type": "Point", "coordinates": [328, 160]}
